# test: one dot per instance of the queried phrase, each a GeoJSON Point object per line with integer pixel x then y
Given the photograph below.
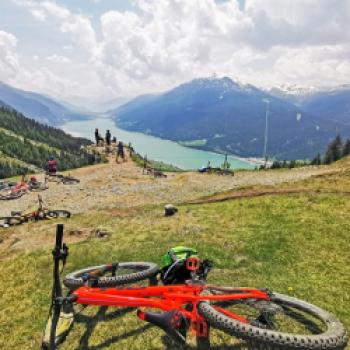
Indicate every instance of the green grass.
{"type": "Point", "coordinates": [193, 143]}
{"type": "Point", "coordinates": [157, 165]}
{"type": "Point", "coordinates": [292, 242]}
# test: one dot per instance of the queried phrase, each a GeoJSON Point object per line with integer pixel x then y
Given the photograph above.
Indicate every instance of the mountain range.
{"type": "Point", "coordinates": [328, 103]}
{"type": "Point", "coordinates": [220, 115]}
{"type": "Point", "coordinates": [39, 107]}
{"type": "Point", "coordinates": [226, 116]}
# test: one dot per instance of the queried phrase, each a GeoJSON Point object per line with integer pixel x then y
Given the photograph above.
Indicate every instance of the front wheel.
{"type": "Point", "coordinates": [11, 195]}
{"type": "Point", "coordinates": [11, 221]}
{"type": "Point", "coordinates": [38, 187]}
{"type": "Point", "coordinates": [70, 181]}
{"type": "Point", "coordinates": [58, 214]}
{"type": "Point", "coordinates": [113, 274]}
{"type": "Point", "coordinates": [282, 323]}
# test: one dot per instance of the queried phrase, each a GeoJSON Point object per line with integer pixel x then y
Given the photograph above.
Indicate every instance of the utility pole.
{"type": "Point", "coordinates": [266, 128]}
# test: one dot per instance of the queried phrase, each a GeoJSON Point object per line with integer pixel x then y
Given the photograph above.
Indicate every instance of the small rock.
{"type": "Point", "coordinates": [101, 233]}
{"type": "Point", "coordinates": [170, 210]}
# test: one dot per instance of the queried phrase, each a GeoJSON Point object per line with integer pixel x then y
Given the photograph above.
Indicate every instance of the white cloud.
{"type": "Point", "coordinates": [58, 59]}
{"type": "Point", "coordinates": [40, 15]}
{"type": "Point", "coordinates": [8, 58]}
{"type": "Point", "coordinates": [170, 41]}
{"type": "Point", "coordinates": [14, 71]}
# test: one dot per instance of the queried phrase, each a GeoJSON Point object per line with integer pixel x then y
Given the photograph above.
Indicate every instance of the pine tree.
{"type": "Point", "coordinates": [276, 164]}
{"type": "Point", "coordinates": [346, 148]}
{"type": "Point", "coordinates": [316, 160]}
{"type": "Point", "coordinates": [292, 164]}
{"type": "Point", "coordinates": [334, 150]}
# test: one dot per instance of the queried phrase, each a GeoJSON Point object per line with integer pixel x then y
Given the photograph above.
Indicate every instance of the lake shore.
{"type": "Point", "coordinates": [157, 149]}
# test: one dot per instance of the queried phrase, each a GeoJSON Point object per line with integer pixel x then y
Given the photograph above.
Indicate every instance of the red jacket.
{"type": "Point", "coordinates": [52, 166]}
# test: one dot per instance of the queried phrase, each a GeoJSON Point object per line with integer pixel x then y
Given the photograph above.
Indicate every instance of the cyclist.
{"type": "Point", "coordinates": [108, 138]}
{"type": "Point", "coordinates": [33, 180]}
{"type": "Point", "coordinates": [120, 151]}
{"type": "Point", "coordinates": [52, 165]}
{"type": "Point", "coordinates": [205, 169]}
{"type": "Point", "coordinates": [97, 136]}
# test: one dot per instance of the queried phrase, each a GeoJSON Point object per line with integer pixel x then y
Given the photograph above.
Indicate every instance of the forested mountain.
{"type": "Point", "coordinates": [228, 117]}
{"type": "Point", "coordinates": [36, 106]}
{"type": "Point", "coordinates": [26, 145]}
{"type": "Point", "coordinates": [332, 104]}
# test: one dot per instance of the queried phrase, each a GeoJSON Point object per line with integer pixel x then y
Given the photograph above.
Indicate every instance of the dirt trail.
{"type": "Point", "coordinates": [122, 189]}
{"type": "Point", "coordinates": [111, 185]}
{"type": "Point", "coordinates": [250, 193]}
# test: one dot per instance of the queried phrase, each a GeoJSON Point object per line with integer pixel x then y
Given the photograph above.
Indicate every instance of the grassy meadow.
{"type": "Point", "coordinates": [295, 243]}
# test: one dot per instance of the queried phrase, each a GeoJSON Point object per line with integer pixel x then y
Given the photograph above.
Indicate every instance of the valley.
{"type": "Point", "coordinates": [225, 116]}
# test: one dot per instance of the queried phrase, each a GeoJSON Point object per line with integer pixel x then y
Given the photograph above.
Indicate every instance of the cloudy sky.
{"type": "Point", "coordinates": [102, 49]}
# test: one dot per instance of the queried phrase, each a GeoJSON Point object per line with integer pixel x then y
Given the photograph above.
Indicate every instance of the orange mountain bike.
{"type": "Point", "coordinates": [266, 320]}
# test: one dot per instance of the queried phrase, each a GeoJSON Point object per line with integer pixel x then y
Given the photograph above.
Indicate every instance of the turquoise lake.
{"type": "Point", "coordinates": [155, 148]}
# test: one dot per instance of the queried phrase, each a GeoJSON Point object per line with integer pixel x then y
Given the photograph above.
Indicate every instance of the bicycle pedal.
{"type": "Point", "coordinates": [200, 328]}
{"type": "Point", "coordinates": [174, 323]}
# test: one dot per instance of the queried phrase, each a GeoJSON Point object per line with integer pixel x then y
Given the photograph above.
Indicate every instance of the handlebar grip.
{"type": "Point", "coordinates": [59, 235]}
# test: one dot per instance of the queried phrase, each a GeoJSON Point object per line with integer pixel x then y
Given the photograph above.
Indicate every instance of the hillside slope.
{"type": "Point", "coordinates": [227, 117]}
{"type": "Point", "coordinates": [294, 244]}
{"type": "Point", "coordinates": [26, 140]}
{"type": "Point", "coordinates": [36, 106]}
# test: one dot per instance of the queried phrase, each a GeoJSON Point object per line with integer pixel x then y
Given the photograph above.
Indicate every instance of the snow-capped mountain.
{"type": "Point", "coordinates": [229, 117]}
{"type": "Point", "coordinates": [331, 103]}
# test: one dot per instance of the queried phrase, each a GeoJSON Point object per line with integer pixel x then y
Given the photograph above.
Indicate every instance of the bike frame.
{"type": "Point", "coordinates": [167, 298]}
{"type": "Point", "coordinates": [23, 185]}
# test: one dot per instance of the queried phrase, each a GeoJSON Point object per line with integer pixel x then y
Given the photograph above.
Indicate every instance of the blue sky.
{"type": "Point", "coordinates": [103, 49]}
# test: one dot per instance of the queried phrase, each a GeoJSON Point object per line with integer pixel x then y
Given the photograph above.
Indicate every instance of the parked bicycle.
{"type": "Point", "coordinates": [59, 178]}
{"type": "Point", "coordinates": [216, 170]}
{"type": "Point", "coordinates": [42, 213]}
{"type": "Point", "coordinates": [265, 319]}
{"type": "Point", "coordinates": [12, 190]}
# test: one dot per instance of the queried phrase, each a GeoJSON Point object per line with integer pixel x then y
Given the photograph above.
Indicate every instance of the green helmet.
{"type": "Point", "coordinates": [178, 253]}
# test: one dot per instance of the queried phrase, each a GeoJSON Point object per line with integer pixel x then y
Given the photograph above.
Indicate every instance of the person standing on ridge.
{"type": "Point", "coordinates": [97, 136]}
{"type": "Point", "coordinates": [108, 138]}
{"type": "Point", "coordinates": [120, 151]}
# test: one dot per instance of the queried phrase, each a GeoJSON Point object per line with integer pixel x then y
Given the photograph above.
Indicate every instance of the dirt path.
{"type": "Point", "coordinates": [251, 193]}
{"type": "Point", "coordinates": [123, 185]}
{"type": "Point", "coordinates": [122, 189]}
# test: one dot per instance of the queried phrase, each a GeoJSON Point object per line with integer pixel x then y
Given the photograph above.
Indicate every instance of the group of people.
{"type": "Point", "coordinates": [108, 141]}
{"type": "Point", "coordinates": [108, 138]}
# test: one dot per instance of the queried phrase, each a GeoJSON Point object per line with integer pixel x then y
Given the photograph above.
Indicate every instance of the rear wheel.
{"type": "Point", "coordinates": [58, 214]}
{"type": "Point", "coordinates": [38, 187]}
{"type": "Point", "coordinates": [11, 195]}
{"type": "Point", "coordinates": [113, 274]}
{"type": "Point", "coordinates": [70, 181]}
{"type": "Point", "coordinates": [11, 221]}
{"type": "Point", "coordinates": [282, 323]}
